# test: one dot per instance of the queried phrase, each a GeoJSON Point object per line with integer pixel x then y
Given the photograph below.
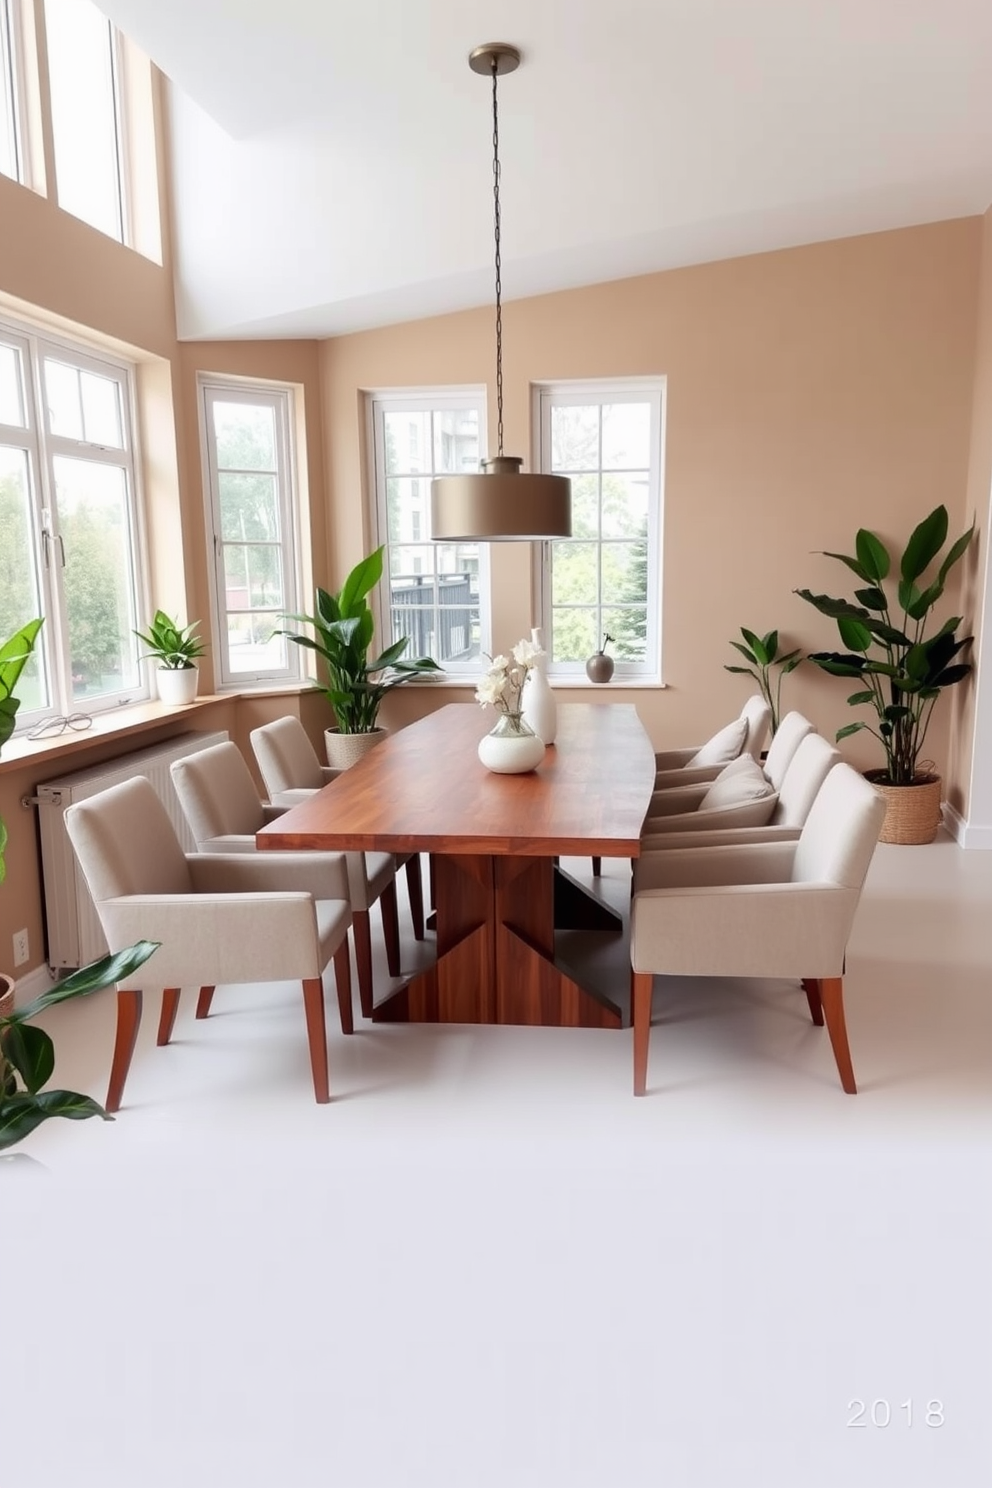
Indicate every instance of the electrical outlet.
{"type": "Point", "coordinates": [22, 948]}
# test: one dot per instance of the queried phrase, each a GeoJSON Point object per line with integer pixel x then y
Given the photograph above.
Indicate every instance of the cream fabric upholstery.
{"type": "Point", "coordinates": [219, 917]}
{"type": "Point", "coordinates": [725, 745]}
{"type": "Point", "coordinates": [292, 773]}
{"type": "Point", "coordinates": [219, 799]}
{"type": "Point", "coordinates": [790, 733]}
{"type": "Point", "coordinates": [808, 769]}
{"type": "Point", "coordinates": [742, 780]}
{"type": "Point", "coordinates": [774, 909]}
{"type": "Point", "coordinates": [676, 766]}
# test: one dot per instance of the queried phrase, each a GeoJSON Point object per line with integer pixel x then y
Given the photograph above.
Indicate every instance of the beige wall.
{"type": "Point", "coordinates": [810, 392]}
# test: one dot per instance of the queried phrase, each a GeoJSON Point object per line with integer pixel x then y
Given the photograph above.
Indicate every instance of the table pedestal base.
{"type": "Point", "coordinates": [495, 950]}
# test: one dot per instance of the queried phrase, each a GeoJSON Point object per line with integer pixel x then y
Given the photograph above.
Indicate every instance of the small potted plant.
{"type": "Point", "coordinates": [762, 655]}
{"type": "Point", "coordinates": [176, 648]}
{"type": "Point", "coordinates": [343, 626]}
{"type": "Point", "coordinates": [902, 670]}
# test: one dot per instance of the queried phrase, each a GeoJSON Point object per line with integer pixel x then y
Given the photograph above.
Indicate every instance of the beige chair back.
{"type": "Point", "coordinates": [788, 736]}
{"type": "Point", "coordinates": [286, 758]}
{"type": "Point", "coordinates": [807, 770]}
{"type": "Point", "coordinates": [217, 794]}
{"type": "Point", "coordinates": [841, 831]}
{"type": "Point", "coordinates": [126, 844]}
{"type": "Point", "coordinates": [758, 716]}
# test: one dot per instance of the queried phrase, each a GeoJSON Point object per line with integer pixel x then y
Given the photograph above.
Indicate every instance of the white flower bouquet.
{"type": "Point", "coordinates": [503, 684]}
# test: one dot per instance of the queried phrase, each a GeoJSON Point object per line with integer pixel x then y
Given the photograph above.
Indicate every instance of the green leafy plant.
{"type": "Point", "coordinates": [27, 1054]}
{"type": "Point", "coordinates": [903, 671]}
{"type": "Point", "coordinates": [762, 655]}
{"type": "Point", "coordinates": [343, 628]}
{"type": "Point", "coordinates": [14, 656]}
{"type": "Point", "coordinates": [175, 647]}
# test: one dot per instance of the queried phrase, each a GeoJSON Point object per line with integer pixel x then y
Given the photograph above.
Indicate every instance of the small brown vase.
{"type": "Point", "coordinates": [599, 668]}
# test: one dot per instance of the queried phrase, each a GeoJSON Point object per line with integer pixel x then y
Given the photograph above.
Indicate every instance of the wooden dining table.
{"type": "Point", "coordinates": [495, 840]}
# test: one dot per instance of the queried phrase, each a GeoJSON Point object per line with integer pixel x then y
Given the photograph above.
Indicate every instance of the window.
{"type": "Point", "coordinates": [252, 528]}
{"type": "Point", "coordinates": [10, 145]}
{"type": "Point", "coordinates": [68, 523]}
{"type": "Point", "coordinates": [438, 592]}
{"type": "Point", "coordinates": [604, 579]}
{"type": "Point", "coordinates": [84, 75]}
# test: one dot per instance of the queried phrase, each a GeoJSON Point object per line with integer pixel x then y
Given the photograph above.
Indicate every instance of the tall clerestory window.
{"type": "Point", "coordinates": [84, 70]}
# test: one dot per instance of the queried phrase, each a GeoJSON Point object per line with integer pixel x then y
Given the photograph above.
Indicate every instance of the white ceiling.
{"type": "Point", "coordinates": [333, 161]}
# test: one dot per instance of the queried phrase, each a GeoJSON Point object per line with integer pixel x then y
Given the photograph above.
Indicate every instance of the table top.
{"type": "Point", "coordinates": [424, 789]}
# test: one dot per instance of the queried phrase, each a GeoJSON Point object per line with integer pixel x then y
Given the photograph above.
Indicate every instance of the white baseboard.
{"type": "Point", "coordinates": [966, 834]}
{"type": "Point", "coordinates": [32, 985]}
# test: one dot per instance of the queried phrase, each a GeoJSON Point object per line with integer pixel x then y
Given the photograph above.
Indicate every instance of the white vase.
{"type": "Point", "coordinates": [512, 747]}
{"type": "Point", "coordinates": [177, 685]}
{"type": "Point", "coordinates": [540, 710]}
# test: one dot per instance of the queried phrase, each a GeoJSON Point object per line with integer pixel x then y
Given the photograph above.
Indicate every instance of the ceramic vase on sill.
{"type": "Point", "coordinates": [540, 710]}
{"type": "Point", "coordinates": [511, 747]}
{"type": "Point", "coordinates": [177, 685]}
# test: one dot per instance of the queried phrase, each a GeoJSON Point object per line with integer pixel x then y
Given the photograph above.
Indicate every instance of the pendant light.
{"type": "Point", "coordinates": [499, 503]}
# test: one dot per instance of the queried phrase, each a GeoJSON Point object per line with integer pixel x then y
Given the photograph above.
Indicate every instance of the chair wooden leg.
{"type": "Point", "coordinates": [641, 986]}
{"type": "Point", "coordinates": [832, 995]}
{"type": "Point", "coordinates": [342, 983]}
{"type": "Point", "coordinates": [167, 1017]}
{"type": "Point", "coordinates": [415, 890]}
{"type": "Point", "coordinates": [362, 928]}
{"type": "Point", "coordinates": [390, 928]}
{"type": "Point", "coordinates": [204, 1000]}
{"type": "Point", "coordinates": [313, 1003]}
{"type": "Point", "coordinates": [128, 1022]}
{"type": "Point", "coordinates": [597, 867]}
{"type": "Point", "coordinates": [430, 880]}
{"type": "Point", "coordinates": [811, 986]}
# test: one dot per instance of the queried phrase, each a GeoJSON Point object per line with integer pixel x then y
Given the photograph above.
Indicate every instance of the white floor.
{"type": "Point", "coordinates": [485, 1265]}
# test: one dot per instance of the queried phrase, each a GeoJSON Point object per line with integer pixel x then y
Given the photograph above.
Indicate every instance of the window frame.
{"type": "Point", "coordinates": [281, 397]}
{"type": "Point", "coordinates": [12, 63]}
{"type": "Point", "coordinates": [602, 391]}
{"type": "Point", "coordinates": [42, 447]}
{"type": "Point", "coordinates": [422, 400]}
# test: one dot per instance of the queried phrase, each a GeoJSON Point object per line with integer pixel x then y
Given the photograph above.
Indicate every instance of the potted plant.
{"type": "Point", "coordinates": [27, 1055]}
{"type": "Point", "coordinates": [176, 648]}
{"type": "Point", "coordinates": [343, 627]}
{"type": "Point", "coordinates": [762, 655]}
{"type": "Point", "coordinates": [902, 669]}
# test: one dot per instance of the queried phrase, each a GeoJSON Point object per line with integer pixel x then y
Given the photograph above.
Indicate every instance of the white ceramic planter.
{"type": "Point", "coordinates": [345, 750]}
{"type": "Point", "coordinates": [540, 710]}
{"type": "Point", "coordinates": [178, 685]}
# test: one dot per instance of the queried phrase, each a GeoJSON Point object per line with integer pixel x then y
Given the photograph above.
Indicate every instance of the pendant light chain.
{"type": "Point", "coordinates": [499, 286]}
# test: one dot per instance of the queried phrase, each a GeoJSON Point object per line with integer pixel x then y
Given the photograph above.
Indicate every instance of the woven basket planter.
{"type": "Point", "coordinates": [912, 812]}
{"type": "Point", "coordinates": [345, 750]}
{"type": "Point", "coordinates": [7, 989]}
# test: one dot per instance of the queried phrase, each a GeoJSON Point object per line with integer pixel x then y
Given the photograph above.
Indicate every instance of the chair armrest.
{"type": "Point", "coordinates": [744, 814]}
{"type": "Point", "coordinates": [688, 775]}
{"type": "Point", "coordinates": [752, 863]}
{"type": "Point", "coordinates": [324, 875]}
{"type": "Point", "coordinates": [707, 836]}
{"type": "Point", "coordinates": [741, 930]}
{"type": "Point", "coordinates": [284, 799]}
{"type": "Point", "coordinates": [211, 939]}
{"type": "Point", "coordinates": [329, 773]}
{"type": "Point", "coordinates": [272, 812]}
{"type": "Point", "coordinates": [674, 759]}
{"type": "Point", "coordinates": [677, 801]}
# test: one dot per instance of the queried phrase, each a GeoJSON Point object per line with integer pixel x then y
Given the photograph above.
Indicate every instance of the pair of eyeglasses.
{"type": "Point", "coordinates": [78, 722]}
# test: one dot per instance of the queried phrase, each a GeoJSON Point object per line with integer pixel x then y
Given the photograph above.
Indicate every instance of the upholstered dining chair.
{"type": "Point", "coordinates": [219, 918]}
{"type": "Point", "coordinates": [743, 794]}
{"type": "Point", "coordinates": [291, 773]}
{"type": "Point", "coordinates": [700, 764]}
{"type": "Point", "coordinates": [769, 909]}
{"type": "Point", "coordinates": [801, 780]}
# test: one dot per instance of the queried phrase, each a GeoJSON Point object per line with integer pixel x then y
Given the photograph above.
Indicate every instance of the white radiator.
{"type": "Point", "coordinates": [73, 929]}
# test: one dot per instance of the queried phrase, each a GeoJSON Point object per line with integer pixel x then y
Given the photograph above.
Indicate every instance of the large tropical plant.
{"type": "Point", "coordinates": [343, 626]}
{"type": "Point", "coordinates": [762, 655]}
{"type": "Point", "coordinates": [902, 669]}
{"type": "Point", "coordinates": [27, 1054]}
{"type": "Point", "coordinates": [14, 656]}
